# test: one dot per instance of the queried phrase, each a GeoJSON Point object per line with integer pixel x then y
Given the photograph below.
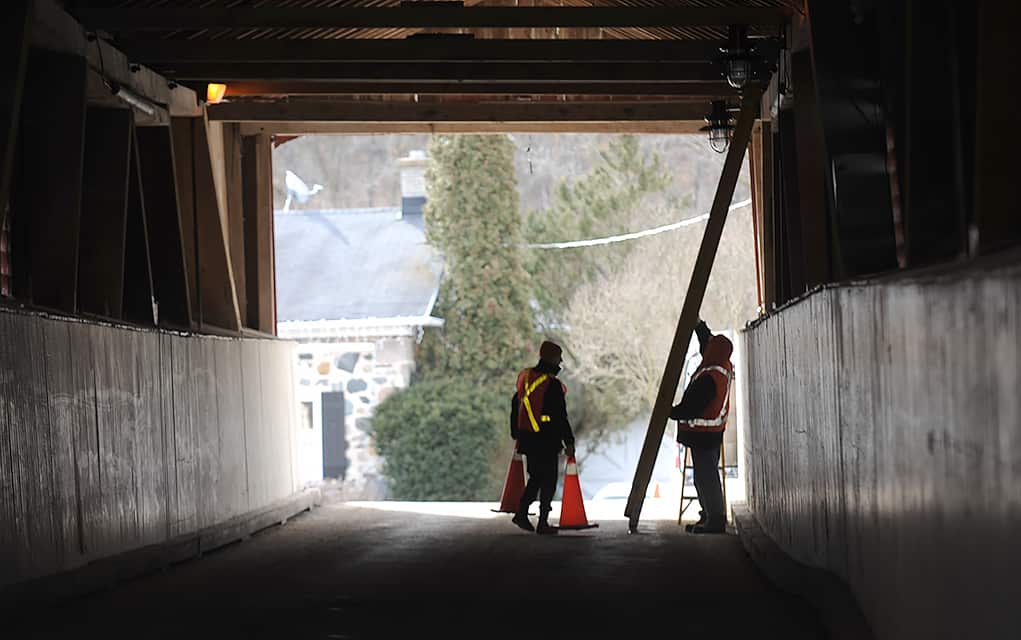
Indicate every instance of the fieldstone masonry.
{"type": "Point", "coordinates": [366, 379]}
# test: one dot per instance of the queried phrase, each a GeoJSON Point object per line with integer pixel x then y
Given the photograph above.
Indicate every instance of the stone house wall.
{"type": "Point", "coordinates": [366, 371]}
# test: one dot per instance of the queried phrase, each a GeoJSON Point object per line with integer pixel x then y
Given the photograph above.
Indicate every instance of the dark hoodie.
{"type": "Point", "coordinates": [554, 434]}
{"type": "Point", "coordinates": [716, 351]}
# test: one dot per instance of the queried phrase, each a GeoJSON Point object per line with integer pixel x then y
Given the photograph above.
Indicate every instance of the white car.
{"type": "Point", "coordinates": [620, 491]}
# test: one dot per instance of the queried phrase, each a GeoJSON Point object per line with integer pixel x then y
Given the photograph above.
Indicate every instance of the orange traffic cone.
{"type": "Point", "coordinates": [656, 492]}
{"type": "Point", "coordinates": [572, 507]}
{"type": "Point", "coordinates": [513, 486]}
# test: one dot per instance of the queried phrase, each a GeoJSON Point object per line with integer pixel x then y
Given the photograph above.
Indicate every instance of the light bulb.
{"type": "Point", "coordinates": [738, 72]}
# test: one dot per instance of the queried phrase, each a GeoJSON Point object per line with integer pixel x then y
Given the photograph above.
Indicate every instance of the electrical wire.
{"type": "Point", "coordinates": [632, 236]}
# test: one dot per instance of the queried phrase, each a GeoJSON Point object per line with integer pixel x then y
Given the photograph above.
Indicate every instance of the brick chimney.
{"type": "Point", "coordinates": [413, 183]}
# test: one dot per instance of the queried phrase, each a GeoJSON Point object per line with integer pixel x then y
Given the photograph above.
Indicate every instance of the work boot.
{"type": "Point", "coordinates": [546, 529]}
{"type": "Point", "coordinates": [521, 519]}
{"type": "Point", "coordinates": [701, 520]}
{"type": "Point", "coordinates": [716, 525]}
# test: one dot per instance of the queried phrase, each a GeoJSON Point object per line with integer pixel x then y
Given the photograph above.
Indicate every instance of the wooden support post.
{"type": "Point", "coordinates": [933, 204]}
{"type": "Point", "coordinates": [217, 294]}
{"type": "Point", "coordinates": [139, 294]}
{"type": "Point", "coordinates": [235, 210]}
{"type": "Point", "coordinates": [768, 222]}
{"type": "Point", "coordinates": [257, 177]}
{"type": "Point", "coordinates": [108, 149]}
{"type": "Point", "coordinates": [163, 224]}
{"type": "Point", "coordinates": [790, 222]}
{"type": "Point", "coordinates": [47, 205]}
{"type": "Point", "coordinates": [997, 188]}
{"type": "Point", "coordinates": [184, 171]}
{"type": "Point", "coordinates": [214, 302]}
{"type": "Point", "coordinates": [755, 168]}
{"type": "Point", "coordinates": [811, 167]}
{"type": "Point", "coordinates": [692, 304]}
{"type": "Point", "coordinates": [844, 36]}
{"type": "Point", "coordinates": [15, 37]}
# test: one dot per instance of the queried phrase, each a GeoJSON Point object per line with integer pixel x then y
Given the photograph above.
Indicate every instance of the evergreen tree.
{"type": "Point", "coordinates": [606, 201]}
{"type": "Point", "coordinates": [472, 217]}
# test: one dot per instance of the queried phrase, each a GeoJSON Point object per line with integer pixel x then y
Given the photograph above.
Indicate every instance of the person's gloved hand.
{"type": "Point", "coordinates": [703, 333]}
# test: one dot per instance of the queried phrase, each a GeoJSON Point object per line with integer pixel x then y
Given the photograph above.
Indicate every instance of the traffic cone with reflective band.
{"type": "Point", "coordinates": [572, 507]}
{"type": "Point", "coordinates": [513, 486]}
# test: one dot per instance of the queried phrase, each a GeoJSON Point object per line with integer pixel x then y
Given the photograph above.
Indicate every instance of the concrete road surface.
{"type": "Point", "coordinates": [385, 570]}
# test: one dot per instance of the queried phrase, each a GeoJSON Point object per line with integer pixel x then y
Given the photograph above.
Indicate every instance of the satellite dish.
{"type": "Point", "coordinates": [298, 190]}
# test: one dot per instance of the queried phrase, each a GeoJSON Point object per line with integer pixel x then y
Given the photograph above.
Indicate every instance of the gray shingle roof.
{"type": "Point", "coordinates": [353, 263]}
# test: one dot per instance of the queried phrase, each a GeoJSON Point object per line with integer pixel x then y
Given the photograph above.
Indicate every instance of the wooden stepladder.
{"type": "Point", "coordinates": [686, 500]}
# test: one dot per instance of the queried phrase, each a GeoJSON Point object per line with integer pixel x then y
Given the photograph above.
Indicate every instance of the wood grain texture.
{"type": "Point", "coordinates": [112, 438]}
{"type": "Point", "coordinates": [883, 444]}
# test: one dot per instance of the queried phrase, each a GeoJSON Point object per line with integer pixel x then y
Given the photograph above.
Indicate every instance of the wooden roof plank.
{"type": "Point", "coordinates": [426, 17]}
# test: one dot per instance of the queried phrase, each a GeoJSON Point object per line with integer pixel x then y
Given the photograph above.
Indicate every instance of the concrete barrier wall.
{"type": "Point", "coordinates": [885, 445]}
{"type": "Point", "coordinates": [113, 438]}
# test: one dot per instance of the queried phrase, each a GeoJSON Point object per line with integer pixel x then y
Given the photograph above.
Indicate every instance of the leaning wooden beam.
{"type": "Point", "coordinates": [428, 72]}
{"type": "Point", "coordinates": [108, 151]}
{"type": "Point", "coordinates": [719, 89]}
{"type": "Point", "coordinates": [47, 205]}
{"type": "Point", "coordinates": [14, 35]}
{"type": "Point", "coordinates": [503, 111]}
{"type": "Point", "coordinates": [153, 51]}
{"type": "Point", "coordinates": [692, 304]}
{"type": "Point", "coordinates": [424, 17]}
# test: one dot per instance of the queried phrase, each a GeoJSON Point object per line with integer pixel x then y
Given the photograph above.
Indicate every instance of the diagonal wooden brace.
{"type": "Point", "coordinates": [692, 304]}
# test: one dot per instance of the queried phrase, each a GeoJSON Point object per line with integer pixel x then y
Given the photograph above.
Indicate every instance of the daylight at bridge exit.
{"type": "Point", "coordinates": [510, 319]}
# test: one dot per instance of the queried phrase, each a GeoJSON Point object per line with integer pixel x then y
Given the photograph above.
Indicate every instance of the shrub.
{"type": "Point", "coordinates": [444, 439]}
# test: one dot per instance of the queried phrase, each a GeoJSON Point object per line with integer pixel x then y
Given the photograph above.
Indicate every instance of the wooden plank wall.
{"type": "Point", "coordinates": [121, 438]}
{"type": "Point", "coordinates": [883, 445]}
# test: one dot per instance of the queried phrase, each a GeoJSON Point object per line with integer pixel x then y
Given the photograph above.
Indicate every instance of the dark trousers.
{"type": "Point", "coordinates": [542, 481]}
{"type": "Point", "coordinates": [706, 462]}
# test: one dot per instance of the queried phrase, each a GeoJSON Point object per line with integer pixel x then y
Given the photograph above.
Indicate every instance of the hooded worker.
{"type": "Point", "coordinates": [701, 419]}
{"type": "Point", "coordinates": [538, 421]}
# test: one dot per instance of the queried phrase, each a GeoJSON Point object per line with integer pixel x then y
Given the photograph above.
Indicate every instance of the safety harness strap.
{"type": "Point", "coordinates": [529, 388]}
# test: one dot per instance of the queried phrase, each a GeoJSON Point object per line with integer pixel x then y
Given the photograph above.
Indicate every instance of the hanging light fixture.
{"type": "Point", "coordinates": [720, 126]}
{"type": "Point", "coordinates": [737, 57]}
{"type": "Point", "coordinates": [215, 92]}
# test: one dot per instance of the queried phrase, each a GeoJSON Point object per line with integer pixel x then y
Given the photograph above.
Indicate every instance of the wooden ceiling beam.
{"type": "Point", "coordinates": [363, 128]}
{"type": "Point", "coordinates": [467, 72]}
{"type": "Point", "coordinates": [153, 51]}
{"type": "Point", "coordinates": [412, 112]}
{"type": "Point", "coordinates": [424, 17]}
{"type": "Point", "coordinates": [296, 88]}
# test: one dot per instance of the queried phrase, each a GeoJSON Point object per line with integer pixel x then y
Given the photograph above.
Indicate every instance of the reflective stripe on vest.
{"type": "Point", "coordinates": [721, 419]}
{"type": "Point", "coordinates": [529, 388]}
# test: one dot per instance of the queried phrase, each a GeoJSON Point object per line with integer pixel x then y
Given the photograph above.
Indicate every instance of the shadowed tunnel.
{"type": "Point", "coordinates": [148, 424]}
{"type": "Point", "coordinates": [348, 571]}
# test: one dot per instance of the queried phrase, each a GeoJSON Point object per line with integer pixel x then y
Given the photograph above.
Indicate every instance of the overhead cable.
{"type": "Point", "coordinates": [635, 235]}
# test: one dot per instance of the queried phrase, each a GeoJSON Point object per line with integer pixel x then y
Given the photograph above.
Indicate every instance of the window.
{"type": "Point", "coordinates": [306, 415]}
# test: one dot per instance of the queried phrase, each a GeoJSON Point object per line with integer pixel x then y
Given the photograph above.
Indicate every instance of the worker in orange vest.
{"type": "Point", "coordinates": [701, 419]}
{"type": "Point", "coordinates": [538, 421]}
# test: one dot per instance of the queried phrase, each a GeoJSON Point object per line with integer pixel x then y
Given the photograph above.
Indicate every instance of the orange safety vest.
{"type": "Point", "coordinates": [714, 418]}
{"type": "Point", "coordinates": [531, 392]}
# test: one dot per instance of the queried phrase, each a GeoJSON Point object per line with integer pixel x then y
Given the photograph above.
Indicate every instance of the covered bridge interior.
{"type": "Point", "coordinates": [146, 414]}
